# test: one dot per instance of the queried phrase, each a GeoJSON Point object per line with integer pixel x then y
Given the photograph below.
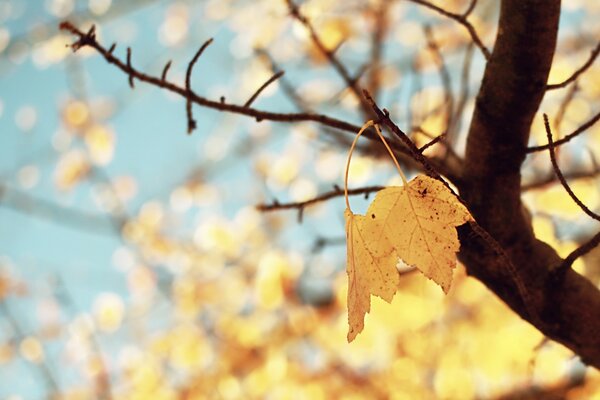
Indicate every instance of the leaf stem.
{"type": "Point", "coordinates": [367, 124]}
{"type": "Point", "coordinates": [404, 180]}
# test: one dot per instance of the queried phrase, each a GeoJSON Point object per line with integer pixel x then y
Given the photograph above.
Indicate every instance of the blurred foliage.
{"type": "Point", "coordinates": [226, 303]}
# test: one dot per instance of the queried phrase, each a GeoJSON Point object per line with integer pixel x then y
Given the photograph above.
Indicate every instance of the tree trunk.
{"type": "Point", "coordinates": [566, 308]}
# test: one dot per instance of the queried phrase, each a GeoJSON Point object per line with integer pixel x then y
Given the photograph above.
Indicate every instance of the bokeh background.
{"type": "Point", "coordinates": [135, 265]}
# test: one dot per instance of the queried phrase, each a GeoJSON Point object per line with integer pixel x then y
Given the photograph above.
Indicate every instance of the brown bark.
{"type": "Point", "coordinates": [566, 306]}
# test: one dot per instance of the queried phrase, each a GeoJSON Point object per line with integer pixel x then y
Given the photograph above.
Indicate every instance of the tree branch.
{"type": "Point", "coordinates": [461, 19]}
{"type": "Point", "coordinates": [513, 85]}
{"type": "Point", "coordinates": [336, 192]}
{"type": "Point", "coordinates": [593, 55]}
{"type": "Point", "coordinates": [560, 175]}
{"type": "Point", "coordinates": [570, 136]}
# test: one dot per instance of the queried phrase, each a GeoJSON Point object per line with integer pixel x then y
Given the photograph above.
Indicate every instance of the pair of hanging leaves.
{"type": "Point", "coordinates": [416, 224]}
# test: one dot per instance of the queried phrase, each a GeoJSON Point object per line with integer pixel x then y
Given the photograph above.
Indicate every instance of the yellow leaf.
{"type": "Point", "coordinates": [419, 219]}
{"type": "Point", "coordinates": [414, 223]}
{"type": "Point", "coordinates": [369, 272]}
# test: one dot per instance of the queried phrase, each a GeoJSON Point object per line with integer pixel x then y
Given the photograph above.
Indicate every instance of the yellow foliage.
{"type": "Point", "coordinates": [413, 223]}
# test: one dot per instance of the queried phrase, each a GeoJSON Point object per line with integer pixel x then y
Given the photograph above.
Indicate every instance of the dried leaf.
{"type": "Point", "coordinates": [420, 220]}
{"type": "Point", "coordinates": [369, 272]}
{"type": "Point", "coordinates": [414, 223]}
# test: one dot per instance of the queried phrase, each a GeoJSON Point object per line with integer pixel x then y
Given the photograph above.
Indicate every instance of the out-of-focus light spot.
{"type": "Point", "coordinates": [217, 235]}
{"type": "Point", "coordinates": [329, 165]}
{"type": "Point", "coordinates": [26, 118]}
{"type": "Point", "coordinates": [303, 189]}
{"type": "Point", "coordinates": [4, 39]}
{"type": "Point", "coordinates": [216, 147]}
{"type": "Point", "coordinates": [205, 195]}
{"type": "Point", "coordinates": [283, 170]}
{"type": "Point", "coordinates": [229, 388]}
{"type": "Point", "coordinates": [217, 9]}
{"type": "Point", "coordinates": [189, 349]}
{"type": "Point", "coordinates": [31, 349]}
{"type": "Point", "coordinates": [126, 187]}
{"type": "Point", "coordinates": [99, 7]}
{"type": "Point", "coordinates": [61, 140]}
{"type": "Point", "coordinates": [50, 51]}
{"type": "Point", "coordinates": [48, 313]}
{"type": "Point", "coordinates": [123, 259]}
{"type": "Point", "coordinates": [108, 312]}
{"type": "Point", "coordinates": [6, 353]}
{"type": "Point", "coordinates": [76, 114]}
{"type": "Point", "coordinates": [317, 90]}
{"type": "Point", "coordinates": [60, 8]}
{"type": "Point", "coordinates": [175, 27]}
{"type": "Point", "coordinates": [71, 169]}
{"type": "Point", "coordinates": [82, 326]}
{"type": "Point", "coordinates": [272, 268]}
{"type": "Point", "coordinates": [360, 170]}
{"type": "Point", "coordinates": [28, 176]}
{"type": "Point", "coordinates": [141, 281]}
{"type": "Point", "coordinates": [151, 214]}
{"type": "Point", "coordinates": [100, 142]}
{"type": "Point", "coordinates": [181, 199]}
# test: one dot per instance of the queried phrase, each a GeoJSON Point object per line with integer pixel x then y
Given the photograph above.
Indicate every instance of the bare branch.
{"type": "Point", "coordinates": [272, 79]}
{"type": "Point", "coordinates": [551, 179]}
{"type": "Point", "coordinates": [490, 241]}
{"type": "Point", "coordinates": [593, 55]}
{"type": "Point", "coordinates": [329, 54]}
{"type": "Point", "coordinates": [286, 86]}
{"type": "Point", "coordinates": [432, 142]}
{"type": "Point", "coordinates": [337, 192]}
{"type": "Point", "coordinates": [470, 9]}
{"type": "Point", "coordinates": [131, 85]}
{"type": "Point", "coordinates": [188, 83]}
{"type": "Point", "coordinates": [36, 206]}
{"type": "Point", "coordinates": [580, 251]}
{"type": "Point", "coordinates": [461, 19]}
{"type": "Point", "coordinates": [163, 76]}
{"type": "Point", "coordinates": [561, 177]}
{"type": "Point", "coordinates": [221, 105]}
{"type": "Point", "coordinates": [567, 138]}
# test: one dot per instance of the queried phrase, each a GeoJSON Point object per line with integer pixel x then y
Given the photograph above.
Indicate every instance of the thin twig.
{"type": "Point", "coordinates": [593, 55]}
{"type": "Point", "coordinates": [560, 175]}
{"type": "Point", "coordinates": [286, 86]}
{"type": "Point", "coordinates": [337, 192]}
{"type": "Point", "coordinates": [461, 19]}
{"type": "Point", "coordinates": [131, 85]}
{"type": "Point", "coordinates": [220, 105]}
{"type": "Point", "coordinates": [30, 205]}
{"type": "Point", "coordinates": [431, 142]}
{"type": "Point", "coordinates": [272, 79]}
{"type": "Point", "coordinates": [564, 105]}
{"type": "Point", "coordinates": [384, 118]}
{"type": "Point", "coordinates": [470, 9]}
{"type": "Point", "coordinates": [329, 54]}
{"type": "Point", "coordinates": [551, 179]}
{"type": "Point", "coordinates": [163, 76]}
{"type": "Point", "coordinates": [567, 138]}
{"type": "Point", "coordinates": [579, 252]}
{"type": "Point", "coordinates": [188, 84]}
